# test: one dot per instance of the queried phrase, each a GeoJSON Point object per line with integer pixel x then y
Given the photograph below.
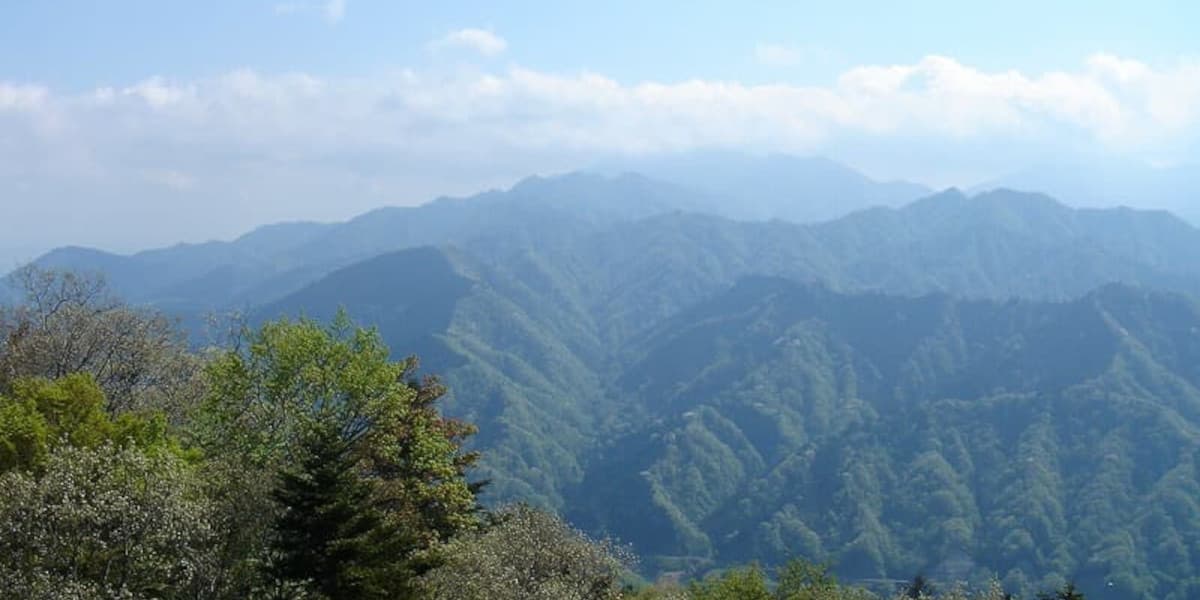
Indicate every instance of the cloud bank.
{"type": "Point", "coordinates": [1119, 103]}
{"type": "Point", "coordinates": [251, 147]}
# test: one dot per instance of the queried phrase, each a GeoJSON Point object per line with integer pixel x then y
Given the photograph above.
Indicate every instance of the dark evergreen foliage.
{"type": "Point", "coordinates": [328, 532]}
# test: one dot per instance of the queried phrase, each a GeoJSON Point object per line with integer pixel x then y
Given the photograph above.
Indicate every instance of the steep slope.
{"type": "Point", "coordinates": [893, 435]}
{"type": "Point", "coordinates": [512, 366]}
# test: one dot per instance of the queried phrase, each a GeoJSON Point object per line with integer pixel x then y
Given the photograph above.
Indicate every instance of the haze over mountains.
{"type": "Point", "coordinates": [775, 186]}
{"type": "Point", "coordinates": [726, 362]}
{"type": "Point", "coordinates": [1107, 183]}
{"type": "Point", "coordinates": [747, 186]}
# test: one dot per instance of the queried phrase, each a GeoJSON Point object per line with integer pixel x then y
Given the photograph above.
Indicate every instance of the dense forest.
{"type": "Point", "coordinates": [996, 390]}
{"type": "Point", "coordinates": [296, 461]}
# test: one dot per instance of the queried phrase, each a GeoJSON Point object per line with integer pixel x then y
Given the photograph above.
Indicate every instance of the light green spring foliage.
{"type": "Point", "coordinates": [527, 555]}
{"type": "Point", "coordinates": [798, 580]}
{"type": "Point", "coordinates": [106, 522]}
{"type": "Point", "coordinates": [287, 377]}
{"type": "Point", "coordinates": [802, 580]}
{"type": "Point", "coordinates": [745, 583]}
{"type": "Point", "coordinates": [41, 414]}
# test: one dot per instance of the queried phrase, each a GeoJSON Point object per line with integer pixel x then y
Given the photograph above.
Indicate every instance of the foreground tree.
{"type": "Point", "coordinates": [286, 380]}
{"type": "Point", "coordinates": [802, 580]}
{"type": "Point", "coordinates": [747, 583]}
{"type": "Point", "coordinates": [39, 414]}
{"type": "Point", "coordinates": [106, 522]}
{"type": "Point", "coordinates": [796, 580]}
{"type": "Point", "coordinates": [527, 554]}
{"type": "Point", "coordinates": [68, 323]}
{"type": "Point", "coordinates": [330, 536]}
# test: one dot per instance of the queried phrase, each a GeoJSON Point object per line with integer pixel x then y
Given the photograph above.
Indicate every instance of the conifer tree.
{"type": "Point", "coordinates": [328, 533]}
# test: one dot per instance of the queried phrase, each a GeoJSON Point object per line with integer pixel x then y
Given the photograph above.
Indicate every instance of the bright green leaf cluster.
{"type": "Point", "coordinates": [41, 414]}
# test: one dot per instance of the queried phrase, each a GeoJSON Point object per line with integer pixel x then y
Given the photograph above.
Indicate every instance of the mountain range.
{"type": "Point", "coordinates": [955, 384]}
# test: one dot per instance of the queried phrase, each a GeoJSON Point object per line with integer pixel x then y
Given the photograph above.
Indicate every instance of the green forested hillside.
{"type": "Point", "coordinates": [717, 392]}
{"type": "Point", "coordinates": [890, 436]}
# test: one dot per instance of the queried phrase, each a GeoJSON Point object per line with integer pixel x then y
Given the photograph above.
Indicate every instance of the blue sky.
{"type": "Point", "coordinates": [82, 43]}
{"type": "Point", "coordinates": [204, 119]}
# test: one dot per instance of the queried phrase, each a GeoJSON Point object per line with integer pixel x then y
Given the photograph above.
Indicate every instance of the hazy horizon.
{"type": "Point", "coordinates": [141, 125]}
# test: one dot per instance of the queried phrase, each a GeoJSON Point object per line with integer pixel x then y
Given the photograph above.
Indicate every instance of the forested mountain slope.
{"type": "Point", "coordinates": [894, 435]}
{"type": "Point", "coordinates": [717, 391]}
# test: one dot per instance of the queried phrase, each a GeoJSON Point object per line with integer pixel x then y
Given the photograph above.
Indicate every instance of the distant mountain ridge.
{"type": "Point", "coordinates": [276, 259]}
{"type": "Point", "coordinates": [280, 255]}
{"type": "Point", "coordinates": [1110, 183]}
{"type": "Point", "coordinates": [901, 249]}
{"type": "Point", "coordinates": [775, 186]}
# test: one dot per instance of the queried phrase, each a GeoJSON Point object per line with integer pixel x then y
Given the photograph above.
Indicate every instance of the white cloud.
{"type": "Point", "coordinates": [21, 97]}
{"type": "Point", "coordinates": [479, 40]}
{"type": "Point", "coordinates": [1119, 103]}
{"type": "Point", "coordinates": [260, 147]}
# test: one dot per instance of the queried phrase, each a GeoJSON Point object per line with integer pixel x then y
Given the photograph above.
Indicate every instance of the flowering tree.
{"type": "Point", "coordinates": [106, 522]}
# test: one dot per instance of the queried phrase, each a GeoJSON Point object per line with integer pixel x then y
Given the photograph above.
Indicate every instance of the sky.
{"type": "Point", "coordinates": [139, 123]}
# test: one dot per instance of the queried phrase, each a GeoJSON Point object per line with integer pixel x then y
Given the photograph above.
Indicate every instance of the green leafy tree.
{"type": "Point", "coordinates": [527, 554]}
{"type": "Point", "coordinates": [40, 414]}
{"type": "Point", "coordinates": [659, 591]}
{"type": "Point", "coordinates": [286, 379]}
{"type": "Point", "coordinates": [802, 580]}
{"type": "Point", "coordinates": [24, 435]}
{"type": "Point", "coordinates": [748, 583]}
